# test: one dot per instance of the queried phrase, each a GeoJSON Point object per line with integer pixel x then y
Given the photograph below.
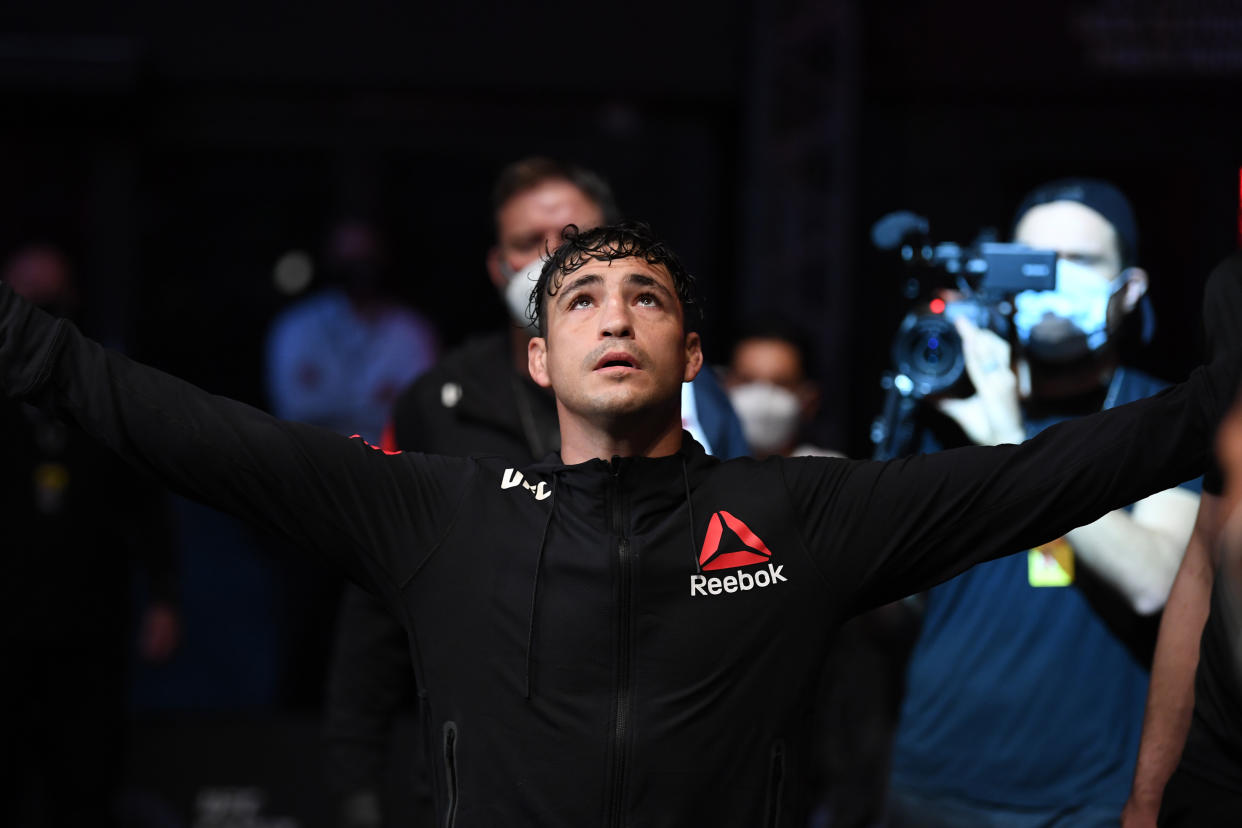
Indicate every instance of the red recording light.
{"type": "Point", "coordinates": [936, 305]}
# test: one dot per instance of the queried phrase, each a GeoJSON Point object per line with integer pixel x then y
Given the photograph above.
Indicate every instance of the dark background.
{"type": "Point", "coordinates": [178, 149]}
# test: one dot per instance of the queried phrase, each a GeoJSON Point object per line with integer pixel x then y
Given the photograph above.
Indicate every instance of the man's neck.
{"type": "Point", "coordinates": [582, 440]}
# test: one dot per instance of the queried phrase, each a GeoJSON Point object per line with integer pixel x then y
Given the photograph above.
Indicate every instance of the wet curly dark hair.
{"type": "Point", "coordinates": [623, 240]}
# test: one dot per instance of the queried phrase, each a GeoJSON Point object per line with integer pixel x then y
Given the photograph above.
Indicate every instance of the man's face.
{"type": "Point", "coordinates": [773, 361]}
{"type": "Point", "coordinates": [530, 223]}
{"type": "Point", "coordinates": [616, 346]}
{"type": "Point", "coordinates": [770, 392]}
{"type": "Point", "coordinates": [1075, 232]}
{"type": "Point", "coordinates": [1080, 234]}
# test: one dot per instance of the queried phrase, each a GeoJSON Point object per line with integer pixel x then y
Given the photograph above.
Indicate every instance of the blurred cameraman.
{"type": "Point", "coordinates": [1025, 692]}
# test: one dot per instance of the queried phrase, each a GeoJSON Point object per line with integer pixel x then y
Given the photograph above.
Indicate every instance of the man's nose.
{"type": "Point", "coordinates": [615, 320]}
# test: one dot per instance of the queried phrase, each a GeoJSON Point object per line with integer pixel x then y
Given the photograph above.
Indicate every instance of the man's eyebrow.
{"type": "Point", "coordinates": [647, 281]}
{"type": "Point", "coordinates": [581, 281]}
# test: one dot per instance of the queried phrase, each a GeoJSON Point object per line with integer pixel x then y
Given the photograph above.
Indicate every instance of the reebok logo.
{"type": "Point", "coordinates": [729, 544]}
{"type": "Point", "coordinates": [741, 582]}
{"type": "Point", "coordinates": [513, 477]}
{"type": "Point", "coordinates": [724, 534]}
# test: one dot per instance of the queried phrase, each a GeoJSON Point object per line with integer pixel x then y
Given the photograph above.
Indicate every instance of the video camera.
{"type": "Point", "coordinates": [979, 281]}
{"type": "Point", "coordinates": [983, 279]}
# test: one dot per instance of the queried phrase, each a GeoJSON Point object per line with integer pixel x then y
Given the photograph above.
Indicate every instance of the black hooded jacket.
{"type": "Point", "coordinates": [625, 642]}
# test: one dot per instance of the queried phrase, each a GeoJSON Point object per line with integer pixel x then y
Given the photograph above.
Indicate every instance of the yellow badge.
{"type": "Point", "coordinates": [1051, 565]}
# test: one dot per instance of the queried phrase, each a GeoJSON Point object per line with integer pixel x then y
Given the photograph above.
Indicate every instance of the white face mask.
{"type": "Point", "coordinates": [769, 415]}
{"type": "Point", "coordinates": [517, 293]}
{"type": "Point", "coordinates": [1070, 321]}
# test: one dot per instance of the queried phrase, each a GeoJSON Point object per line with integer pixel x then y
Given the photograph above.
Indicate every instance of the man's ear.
{"type": "Point", "coordinates": [494, 270]}
{"type": "Point", "coordinates": [1135, 287]}
{"type": "Point", "coordinates": [694, 356]}
{"type": "Point", "coordinates": [537, 361]}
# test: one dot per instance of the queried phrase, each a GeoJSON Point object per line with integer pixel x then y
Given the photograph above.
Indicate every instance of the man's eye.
{"type": "Point", "coordinates": [580, 302]}
{"type": "Point", "coordinates": [648, 300]}
{"type": "Point", "coordinates": [527, 244]}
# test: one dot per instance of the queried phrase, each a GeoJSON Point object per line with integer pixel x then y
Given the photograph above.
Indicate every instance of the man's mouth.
{"type": "Point", "coordinates": [615, 360]}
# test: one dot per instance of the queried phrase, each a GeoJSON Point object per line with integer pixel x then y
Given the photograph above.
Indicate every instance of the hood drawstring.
{"type": "Point", "coordinates": [534, 592]}
{"type": "Point", "coordinates": [685, 476]}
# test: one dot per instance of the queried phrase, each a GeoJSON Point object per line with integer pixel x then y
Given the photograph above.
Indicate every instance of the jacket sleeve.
{"type": "Point", "coordinates": [327, 493]}
{"type": "Point", "coordinates": [880, 531]}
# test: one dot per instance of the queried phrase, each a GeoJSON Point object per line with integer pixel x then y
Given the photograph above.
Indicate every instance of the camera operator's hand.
{"type": "Point", "coordinates": [992, 416]}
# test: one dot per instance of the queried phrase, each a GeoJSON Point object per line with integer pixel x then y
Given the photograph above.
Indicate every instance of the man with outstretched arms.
{"type": "Point", "coordinates": [573, 673]}
{"type": "Point", "coordinates": [479, 399]}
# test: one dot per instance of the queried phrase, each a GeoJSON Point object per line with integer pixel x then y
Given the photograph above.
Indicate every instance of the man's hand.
{"type": "Point", "coordinates": [992, 416]}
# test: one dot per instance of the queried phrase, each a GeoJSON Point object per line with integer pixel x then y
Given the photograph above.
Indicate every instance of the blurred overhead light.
{"type": "Point", "coordinates": [293, 272]}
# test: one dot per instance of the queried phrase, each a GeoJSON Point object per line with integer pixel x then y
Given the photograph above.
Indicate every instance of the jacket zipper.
{"type": "Point", "coordinates": [622, 700]}
{"type": "Point", "coordinates": [450, 772]}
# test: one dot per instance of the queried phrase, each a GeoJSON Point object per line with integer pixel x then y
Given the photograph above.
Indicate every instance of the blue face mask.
{"type": "Point", "coordinates": [1068, 322]}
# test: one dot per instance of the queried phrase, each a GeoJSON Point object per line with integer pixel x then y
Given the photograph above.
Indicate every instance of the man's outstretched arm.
{"type": "Point", "coordinates": [903, 526]}
{"type": "Point", "coordinates": [1137, 552]}
{"type": "Point", "coordinates": [1171, 695]}
{"type": "Point", "coordinates": [325, 492]}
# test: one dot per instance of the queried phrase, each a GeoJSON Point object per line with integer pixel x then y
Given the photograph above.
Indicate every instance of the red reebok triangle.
{"type": "Point", "coordinates": [711, 557]}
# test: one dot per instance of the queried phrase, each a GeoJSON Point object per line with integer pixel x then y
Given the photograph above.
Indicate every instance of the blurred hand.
{"type": "Point", "coordinates": [160, 632]}
{"type": "Point", "coordinates": [993, 415]}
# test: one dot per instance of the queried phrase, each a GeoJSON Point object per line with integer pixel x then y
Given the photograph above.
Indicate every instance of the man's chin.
{"type": "Point", "coordinates": [623, 405]}
{"type": "Point", "coordinates": [621, 408]}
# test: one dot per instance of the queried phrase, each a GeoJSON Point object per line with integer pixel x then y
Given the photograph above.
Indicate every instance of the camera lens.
{"type": "Point", "coordinates": [928, 350]}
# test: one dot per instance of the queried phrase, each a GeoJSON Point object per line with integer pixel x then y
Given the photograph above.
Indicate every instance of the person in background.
{"type": "Point", "coordinates": [773, 389]}
{"type": "Point", "coordinates": [480, 399]}
{"type": "Point", "coordinates": [336, 358]}
{"type": "Point", "coordinates": [339, 357]}
{"type": "Point", "coordinates": [70, 511]}
{"type": "Point", "coordinates": [1189, 770]}
{"type": "Point", "coordinates": [1025, 691]}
